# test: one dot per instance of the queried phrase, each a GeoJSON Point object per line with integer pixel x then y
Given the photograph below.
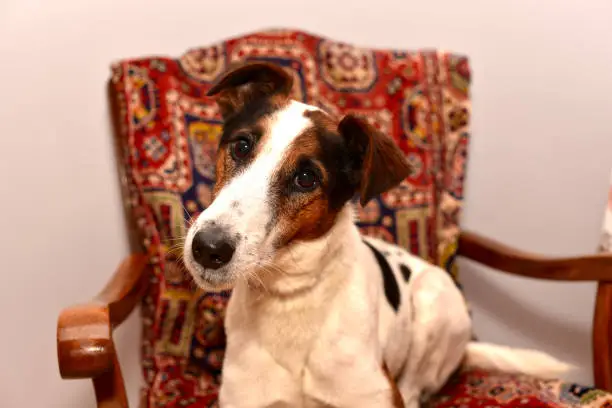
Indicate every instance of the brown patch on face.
{"type": "Point", "coordinates": [305, 220]}
{"type": "Point", "coordinates": [398, 401]}
{"type": "Point", "coordinates": [303, 216]}
{"type": "Point", "coordinates": [220, 171]}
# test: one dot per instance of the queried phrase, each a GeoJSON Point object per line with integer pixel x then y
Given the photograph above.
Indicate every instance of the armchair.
{"type": "Point", "coordinates": [166, 132]}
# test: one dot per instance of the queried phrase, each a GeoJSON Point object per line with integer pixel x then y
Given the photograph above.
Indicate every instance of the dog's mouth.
{"type": "Point", "coordinates": [225, 277]}
{"type": "Point", "coordinates": [214, 280]}
{"type": "Point", "coordinates": [254, 271]}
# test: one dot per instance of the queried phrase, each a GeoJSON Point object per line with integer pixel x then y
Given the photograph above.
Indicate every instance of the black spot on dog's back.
{"type": "Point", "coordinates": [392, 292]}
{"type": "Point", "coordinates": [406, 272]}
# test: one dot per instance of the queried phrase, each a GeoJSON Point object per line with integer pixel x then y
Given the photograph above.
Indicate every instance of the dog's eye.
{"type": "Point", "coordinates": [306, 180]}
{"type": "Point", "coordinates": [241, 148]}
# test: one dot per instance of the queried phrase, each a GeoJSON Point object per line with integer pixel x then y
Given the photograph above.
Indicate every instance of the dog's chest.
{"type": "Point", "coordinates": [285, 331]}
{"type": "Point", "coordinates": [303, 348]}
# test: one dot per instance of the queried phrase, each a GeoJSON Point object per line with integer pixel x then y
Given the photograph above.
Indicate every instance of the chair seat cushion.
{"type": "Point", "coordinates": [481, 389]}
{"type": "Point", "coordinates": [467, 389]}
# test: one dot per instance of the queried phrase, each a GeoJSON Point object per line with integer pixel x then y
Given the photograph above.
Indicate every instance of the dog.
{"type": "Point", "coordinates": [319, 315]}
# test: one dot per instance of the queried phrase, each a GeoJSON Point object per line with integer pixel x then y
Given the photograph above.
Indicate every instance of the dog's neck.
{"type": "Point", "coordinates": [284, 310]}
{"type": "Point", "coordinates": [300, 268]}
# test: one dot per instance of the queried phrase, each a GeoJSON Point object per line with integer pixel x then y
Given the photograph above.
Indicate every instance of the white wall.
{"type": "Point", "coordinates": [540, 155]}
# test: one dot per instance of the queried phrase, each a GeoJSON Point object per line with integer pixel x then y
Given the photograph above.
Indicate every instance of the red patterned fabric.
{"type": "Point", "coordinates": [168, 136]}
{"type": "Point", "coordinates": [479, 389]}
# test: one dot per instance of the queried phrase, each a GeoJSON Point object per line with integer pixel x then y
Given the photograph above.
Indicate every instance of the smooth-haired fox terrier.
{"type": "Point", "coordinates": [321, 316]}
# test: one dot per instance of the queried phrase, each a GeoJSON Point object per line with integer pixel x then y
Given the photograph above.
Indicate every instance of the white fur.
{"type": "Point", "coordinates": [510, 360]}
{"type": "Point", "coordinates": [316, 329]}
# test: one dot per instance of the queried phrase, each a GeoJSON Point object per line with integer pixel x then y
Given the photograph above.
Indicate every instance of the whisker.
{"type": "Point", "coordinates": [253, 268]}
{"type": "Point", "coordinates": [270, 267]}
{"type": "Point", "coordinates": [259, 280]}
{"type": "Point", "coordinates": [187, 212]}
{"type": "Point", "coordinates": [175, 239]}
{"type": "Point", "coordinates": [296, 263]}
{"type": "Point", "coordinates": [175, 245]}
{"type": "Point", "coordinates": [327, 247]}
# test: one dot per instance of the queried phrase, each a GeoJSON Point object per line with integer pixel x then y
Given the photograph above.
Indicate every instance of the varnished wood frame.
{"type": "Point", "coordinates": [585, 268]}
{"type": "Point", "coordinates": [84, 333]}
{"type": "Point", "coordinates": [85, 347]}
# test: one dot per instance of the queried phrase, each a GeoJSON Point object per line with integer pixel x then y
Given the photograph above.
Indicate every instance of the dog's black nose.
{"type": "Point", "coordinates": [211, 248]}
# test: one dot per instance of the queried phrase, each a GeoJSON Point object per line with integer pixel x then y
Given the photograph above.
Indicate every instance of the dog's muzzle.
{"type": "Point", "coordinates": [211, 248]}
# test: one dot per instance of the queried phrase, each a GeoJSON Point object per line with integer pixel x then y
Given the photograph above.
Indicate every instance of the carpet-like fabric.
{"type": "Point", "coordinates": [479, 389]}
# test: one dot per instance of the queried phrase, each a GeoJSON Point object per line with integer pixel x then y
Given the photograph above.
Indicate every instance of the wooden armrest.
{"type": "Point", "coordinates": [586, 268]}
{"type": "Point", "coordinates": [504, 258]}
{"type": "Point", "coordinates": [84, 332]}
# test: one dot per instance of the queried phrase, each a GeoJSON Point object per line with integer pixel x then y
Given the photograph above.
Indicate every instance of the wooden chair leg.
{"type": "Point", "coordinates": [602, 337]}
{"type": "Point", "coordinates": [109, 387]}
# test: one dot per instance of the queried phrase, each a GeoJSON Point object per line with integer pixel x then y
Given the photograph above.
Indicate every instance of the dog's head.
{"type": "Point", "coordinates": [284, 171]}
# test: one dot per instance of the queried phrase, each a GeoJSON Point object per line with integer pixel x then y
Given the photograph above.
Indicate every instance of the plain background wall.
{"type": "Point", "coordinates": [539, 159]}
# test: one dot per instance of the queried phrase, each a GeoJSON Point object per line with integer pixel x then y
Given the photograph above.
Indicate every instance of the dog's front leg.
{"type": "Point", "coordinates": [252, 379]}
{"type": "Point", "coordinates": [262, 391]}
{"type": "Point", "coordinates": [352, 387]}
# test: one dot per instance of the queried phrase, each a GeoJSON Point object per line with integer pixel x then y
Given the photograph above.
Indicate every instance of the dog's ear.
{"type": "Point", "coordinates": [245, 82]}
{"type": "Point", "coordinates": [381, 163]}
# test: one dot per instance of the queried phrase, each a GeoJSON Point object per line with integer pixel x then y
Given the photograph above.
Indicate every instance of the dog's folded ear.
{"type": "Point", "coordinates": [248, 81]}
{"type": "Point", "coordinates": [382, 164]}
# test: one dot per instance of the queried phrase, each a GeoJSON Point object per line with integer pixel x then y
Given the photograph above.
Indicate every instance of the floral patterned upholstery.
{"type": "Point", "coordinates": [168, 133]}
{"type": "Point", "coordinates": [476, 388]}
